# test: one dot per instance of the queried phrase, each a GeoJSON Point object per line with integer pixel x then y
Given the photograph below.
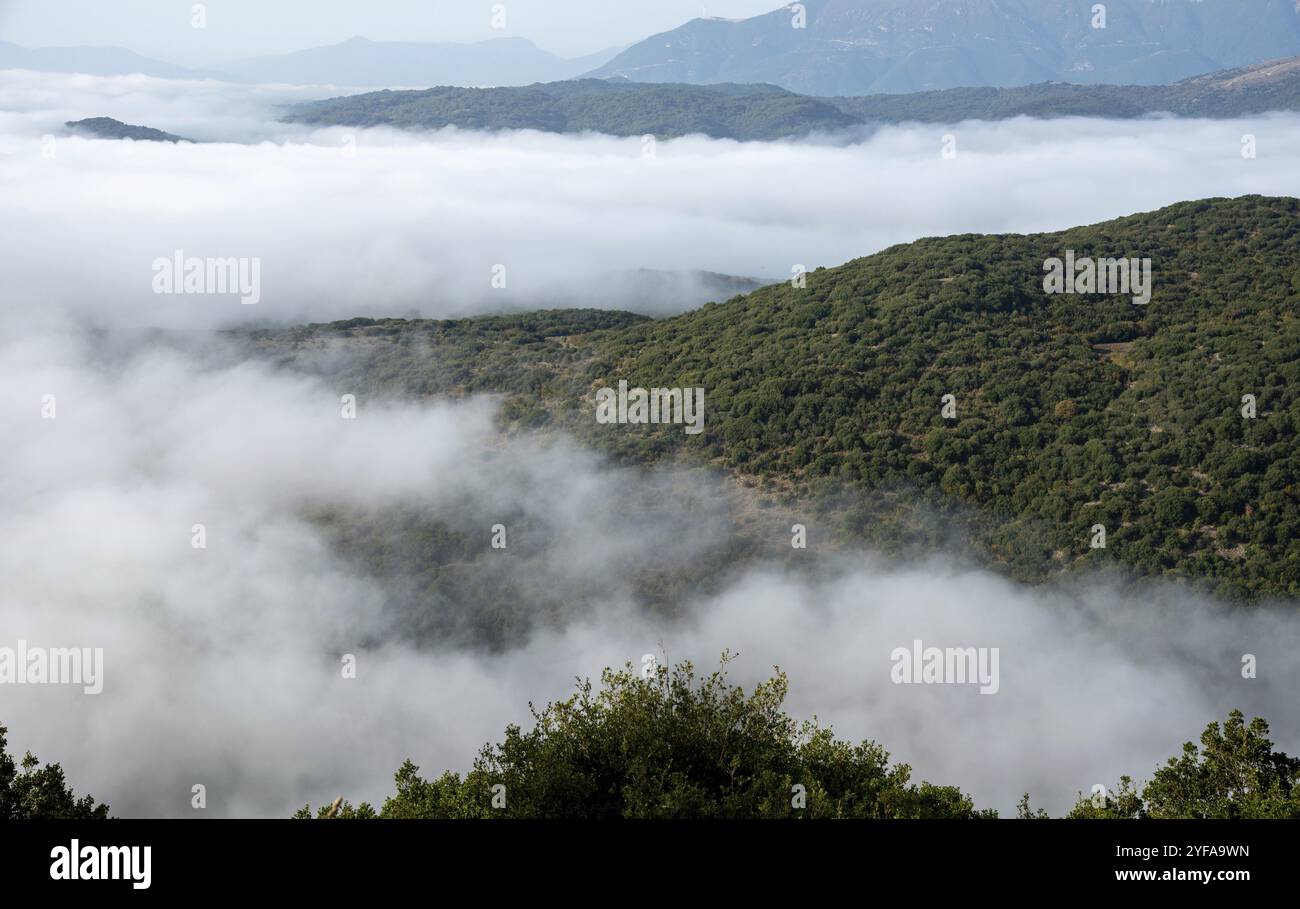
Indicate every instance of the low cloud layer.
{"type": "Point", "coordinates": [379, 222]}
{"type": "Point", "coordinates": [223, 664]}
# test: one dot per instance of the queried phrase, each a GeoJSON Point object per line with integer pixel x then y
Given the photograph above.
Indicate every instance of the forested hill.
{"type": "Point", "coordinates": [619, 108]}
{"type": "Point", "coordinates": [108, 128]}
{"type": "Point", "coordinates": [1072, 411]}
{"type": "Point", "coordinates": [765, 112]}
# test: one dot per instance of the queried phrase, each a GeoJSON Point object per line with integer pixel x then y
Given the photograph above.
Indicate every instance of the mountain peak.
{"type": "Point", "coordinates": [852, 47]}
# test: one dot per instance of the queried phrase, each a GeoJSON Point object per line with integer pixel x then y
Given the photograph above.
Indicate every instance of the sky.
{"type": "Point", "coordinates": [240, 28]}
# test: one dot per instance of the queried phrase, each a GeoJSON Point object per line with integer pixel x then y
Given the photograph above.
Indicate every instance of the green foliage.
{"type": "Point", "coordinates": [743, 112]}
{"type": "Point", "coordinates": [1124, 802]}
{"type": "Point", "coordinates": [1235, 773]}
{"type": "Point", "coordinates": [1025, 813]}
{"type": "Point", "coordinates": [108, 128]}
{"type": "Point", "coordinates": [412, 358]}
{"type": "Point", "coordinates": [29, 791]}
{"type": "Point", "coordinates": [673, 745]}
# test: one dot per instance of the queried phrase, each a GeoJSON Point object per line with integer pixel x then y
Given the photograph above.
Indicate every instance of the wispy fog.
{"type": "Point", "coordinates": [379, 222]}
{"type": "Point", "coordinates": [222, 664]}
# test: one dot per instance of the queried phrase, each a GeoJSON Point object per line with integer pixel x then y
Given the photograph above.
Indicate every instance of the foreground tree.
{"type": "Point", "coordinates": [31, 792]}
{"type": "Point", "coordinates": [1235, 773]}
{"type": "Point", "coordinates": [674, 745]}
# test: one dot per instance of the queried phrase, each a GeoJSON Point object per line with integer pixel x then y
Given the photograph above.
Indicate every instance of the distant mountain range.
{"type": "Point", "coordinates": [108, 128]}
{"type": "Point", "coordinates": [858, 47]}
{"type": "Point", "coordinates": [846, 48]}
{"type": "Point", "coordinates": [357, 62]}
{"type": "Point", "coordinates": [764, 112]}
{"type": "Point", "coordinates": [94, 61]}
{"type": "Point", "coordinates": [1257, 89]}
{"type": "Point", "coordinates": [500, 61]}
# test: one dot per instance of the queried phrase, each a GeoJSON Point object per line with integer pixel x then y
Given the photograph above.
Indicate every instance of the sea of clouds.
{"type": "Point", "coordinates": [380, 222]}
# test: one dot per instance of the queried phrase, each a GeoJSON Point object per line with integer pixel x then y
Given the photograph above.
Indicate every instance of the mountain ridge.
{"type": "Point", "coordinates": [852, 47]}
{"type": "Point", "coordinates": [767, 112]}
{"type": "Point", "coordinates": [108, 128]}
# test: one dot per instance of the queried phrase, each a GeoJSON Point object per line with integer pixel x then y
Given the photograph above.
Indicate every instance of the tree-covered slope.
{"type": "Point", "coordinates": [1071, 411]}
{"type": "Point", "coordinates": [108, 128]}
{"type": "Point", "coordinates": [765, 112]}
{"type": "Point", "coordinates": [747, 112]}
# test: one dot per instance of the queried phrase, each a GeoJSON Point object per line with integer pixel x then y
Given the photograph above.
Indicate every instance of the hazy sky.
{"type": "Point", "coordinates": [237, 28]}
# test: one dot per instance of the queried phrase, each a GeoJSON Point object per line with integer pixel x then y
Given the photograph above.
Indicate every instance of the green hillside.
{"type": "Point", "coordinates": [765, 112]}
{"type": "Point", "coordinates": [108, 128]}
{"type": "Point", "coordinates": [1072, 411]}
